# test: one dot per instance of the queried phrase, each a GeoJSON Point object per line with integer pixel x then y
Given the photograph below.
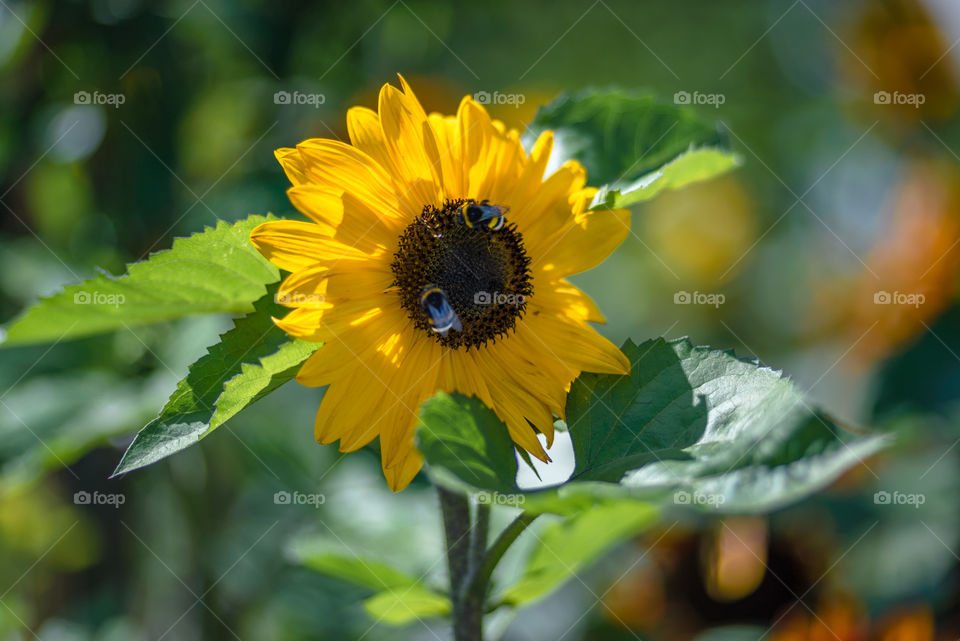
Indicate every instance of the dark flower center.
{"type": "Point", "coordinates": [484, 274]}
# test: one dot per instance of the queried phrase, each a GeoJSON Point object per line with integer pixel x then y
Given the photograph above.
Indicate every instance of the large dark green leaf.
{"type": "Point", "coordinates": [689, 425]}
{"type": "Point", "coordinates": [464, 440]}
{"type": "Point", "coordinates": [633, 145]}
{"type": "Point", "coordinates": [251, 360]}
{"type": "Point", "coordinates": [710, 429]}
{"type": "Point", "coordinates": [217, 270]}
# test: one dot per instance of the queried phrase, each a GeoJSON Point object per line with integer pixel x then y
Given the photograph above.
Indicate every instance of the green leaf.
{"type": "Point", "coordinates": [334, 559]}
{"type": "Point", "coordinates": [689, 425]}
{"type": "Point", "coordinates": [716, 431]}
{"type": "Point", "coordinates": [634, 145]}
{"type": "Point", "coordinates": [689, 167]}
{"type": "Point", "coordinates": [217, 270]}
{"type": "Point", "coordinates": [564, 548]}
{"type": "Point", "coordinates": [465, 443]}
{"type": "Point", "coordinates": [406, 604]}
{"type": "Point", "coordinates": [251, 360]}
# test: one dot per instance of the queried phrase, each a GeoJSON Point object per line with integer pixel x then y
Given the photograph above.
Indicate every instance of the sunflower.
{"type": "Point", "coordinates": [388, 225]}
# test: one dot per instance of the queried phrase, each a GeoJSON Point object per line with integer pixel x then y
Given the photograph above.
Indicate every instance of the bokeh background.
{"type": "Point", "coordinates": [834, 248]}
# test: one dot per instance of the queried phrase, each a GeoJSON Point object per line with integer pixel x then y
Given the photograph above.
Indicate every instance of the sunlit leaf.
{"type": "Point", "coordinates": [689, 167]}
{"type": "Point", "coordinates": [335, 559]}
{"type": "Point", "coordinates": [250, 361]}
{"type": "Point", "coordinates": [406, 604]}
{"type": "Point", "coordinates": [564, 548]}
{"type": "Point", "coordinates": [217, 270]}
{"type": "Point", "coordinates": [633, 145]}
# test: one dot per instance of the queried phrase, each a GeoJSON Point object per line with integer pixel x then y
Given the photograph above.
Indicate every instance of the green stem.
{"type": "Point", "coordinates": [481, 576]}
{"type": "Point", "coordinates": [478, 536]}
{"type": "Point", "coordinates": [467, 610]}
{"type": "Point", "coordinates": [470, 564]}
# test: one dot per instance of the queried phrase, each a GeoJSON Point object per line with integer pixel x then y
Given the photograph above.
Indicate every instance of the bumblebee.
{"type": "Point", "coordinates": [482, 214]}
{"type": "Point", "coordinates": [440, 314]}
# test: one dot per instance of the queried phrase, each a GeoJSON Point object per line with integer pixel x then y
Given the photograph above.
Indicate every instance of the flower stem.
{"type": "Point", "coordinates": [469, 561]}
{"type": "Point", "coordinates": [458, 529]}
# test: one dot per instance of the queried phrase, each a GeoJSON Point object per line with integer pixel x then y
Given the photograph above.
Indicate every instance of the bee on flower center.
{"type": "Point", "coordinates": [482, 214]}
{"type": "Point", "coordinates": [439, 313]}
{"type": "Point", "coordinates": [462, 284]}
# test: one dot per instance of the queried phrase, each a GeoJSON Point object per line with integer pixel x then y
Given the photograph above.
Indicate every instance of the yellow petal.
{"type": "Point", "coordinates": [293, 245]}
{"type": "Point", "coordinates": [363, 127]}
{"type": "Point", "coordinates": [399, 476]}
{"type": "Point", "coordinates": [578, 344]}
{"type": "Point", "coordinates": [549, 210]}
{"type": "Point", "coordinates": [564, 299]}
{"type": "Point", "coordinates": [349, 169]}
{"type": "Point", "coordinates": [416, 381]}
{"type": "Point", "coordinates": [320, 286]}
{"type": "Point", "coordinates": [402, 120]}
{"type": "Point", "coordinates": [351, 220]}
{"type": "Point", "coordinates": [440, 142]}
{"type": "Point", "coordinates": [292, 164]}
{"type": "Point", "coordinates": [474, 130]}
{"type": "Point", "coordinates": [531, 176]}
{"type": "Point", "coordinates": [584, 244]}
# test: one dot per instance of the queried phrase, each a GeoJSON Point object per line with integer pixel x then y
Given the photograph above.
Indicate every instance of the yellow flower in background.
{"type": "Point", "coordinates": [415, 284]}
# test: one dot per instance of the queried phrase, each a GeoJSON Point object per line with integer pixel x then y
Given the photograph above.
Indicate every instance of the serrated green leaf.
{"type": "Point", "coordinates": [251, 360]}
{"type": "Point", "coordinates": [564, 548]}
{"type": "Point", "coordinates": [724, 432]}
{"type": "Point", "coordinates": [633, 145]}
{"type": "Point", "coordinates": [334, 559]}
{"type": "Point", "coordinates": [464, 441]}
{"type": "Point", "coordinates": [406, 604]}
{"type": "Point", "coordinates": [217, 270]}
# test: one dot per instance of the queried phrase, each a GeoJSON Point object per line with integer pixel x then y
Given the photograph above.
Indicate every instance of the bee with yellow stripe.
{"type": "Point", "coordinates": [440, 314]}
{"type": "Point", "coordinates": [482, 214]}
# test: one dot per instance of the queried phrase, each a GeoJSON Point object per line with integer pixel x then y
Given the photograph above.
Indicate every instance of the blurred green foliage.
{"type": "Point", "coordinates": [797, 240]}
